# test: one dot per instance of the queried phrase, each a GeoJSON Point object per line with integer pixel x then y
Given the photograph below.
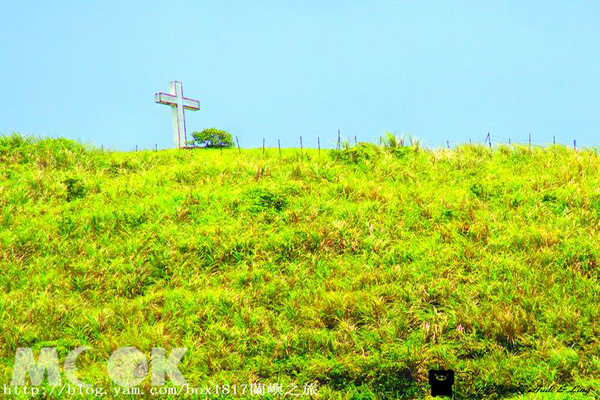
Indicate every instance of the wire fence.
{"type": "Point", "coordinates": [492, 140]}
{"type": "Point", "coordinates": [489, 139]}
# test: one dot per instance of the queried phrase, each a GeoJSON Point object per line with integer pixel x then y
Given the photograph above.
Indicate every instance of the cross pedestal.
{"type": "Point", "coordinates": [178, 103]}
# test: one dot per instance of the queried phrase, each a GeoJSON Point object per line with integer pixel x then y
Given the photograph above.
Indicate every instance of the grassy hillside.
{"type": "Point", "coordinates": [360, 269]}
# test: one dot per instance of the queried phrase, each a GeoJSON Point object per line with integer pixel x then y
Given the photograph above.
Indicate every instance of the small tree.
{"type": "Point", "coordinates": [213, 137]}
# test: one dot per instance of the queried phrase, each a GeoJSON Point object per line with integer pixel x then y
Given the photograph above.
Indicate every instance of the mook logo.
{"type": "Point", "coordinates": [127, 367]}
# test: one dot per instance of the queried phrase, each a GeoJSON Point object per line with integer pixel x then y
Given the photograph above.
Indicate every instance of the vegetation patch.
{"type": "Point", "coordinates": [261, 199]}
{"type": "Point", "coordinates": [360, 269]}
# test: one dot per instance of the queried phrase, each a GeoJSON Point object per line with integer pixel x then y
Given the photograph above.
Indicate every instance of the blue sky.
{"type": "Point", "coordinates": [441, 70]}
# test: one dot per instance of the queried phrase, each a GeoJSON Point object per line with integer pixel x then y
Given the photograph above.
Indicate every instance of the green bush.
{"type": "Point", "coordinates": [75, 188]}
{"type": "Point", "coordinates": [263, 199]}
{"type": "Point", "coordinates": [361, 152]}
{"type": "Point", "coordinates": [213, 137]}
{"type": "Point", "coordinates": [399, 146]}
{"type": "Point", "coordinates": [46, 153]}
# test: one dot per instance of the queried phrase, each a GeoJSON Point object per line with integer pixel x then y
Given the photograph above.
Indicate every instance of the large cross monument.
{"type": "Point", "coordinates": [178, 103]}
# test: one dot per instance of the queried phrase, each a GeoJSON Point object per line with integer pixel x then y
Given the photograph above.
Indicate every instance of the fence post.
{"type": "Point", "coordinates": [509, 141]}
{"type": "Point", "coordinates": [319, 146]}
{"type": "Point", "coordinates": [448, 144]}
{"type": "Point", "coordinates": [469, 141]}
{"type": "Point", "coordinates": [300, 142]}
{"type": "Point", "coordinates": [155, 146]}
{"type": "Point", "coordinates": [575, 145]}
{"type": "Point", "coordinates": [553, 139]}
{"type": "Point", "coordinates": [355, 141]}
{"type": "Point", "coordinates": [530, 140]}
{"type": "Point", "coordinates": [136, 147]}
{"type": "Point", "coordinates": [279, 146]}
{"type": "Point", "coordinates": [263, 146]}
{"type": "Point", "coordinates": [338, 142]}
{"type": "Point", "coordinates": [238, 144]}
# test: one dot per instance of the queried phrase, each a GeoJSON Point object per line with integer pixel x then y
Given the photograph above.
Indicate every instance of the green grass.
{"type": "Point", "coordinates": [360, 269]}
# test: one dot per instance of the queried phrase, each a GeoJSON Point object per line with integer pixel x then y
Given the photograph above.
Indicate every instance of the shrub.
{"type": "Point", "coordinates": [352, 155]}
{"type": "Point", "coordinates": [396, 145]}
{"type": "Point", "coordinates": [213, 137]}
{"type": "Point", "coordinates": [48, 152]}
{"type": "Point", "coordinates": [391, 141]}
{"type": "Point", "coordinates": [75, 188]}
{"type": "Point", "coordinates": [263, 199]}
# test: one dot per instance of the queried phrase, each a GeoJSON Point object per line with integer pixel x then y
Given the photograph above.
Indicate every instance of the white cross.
{"type": "Point", "coordinates": [178, 103]}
